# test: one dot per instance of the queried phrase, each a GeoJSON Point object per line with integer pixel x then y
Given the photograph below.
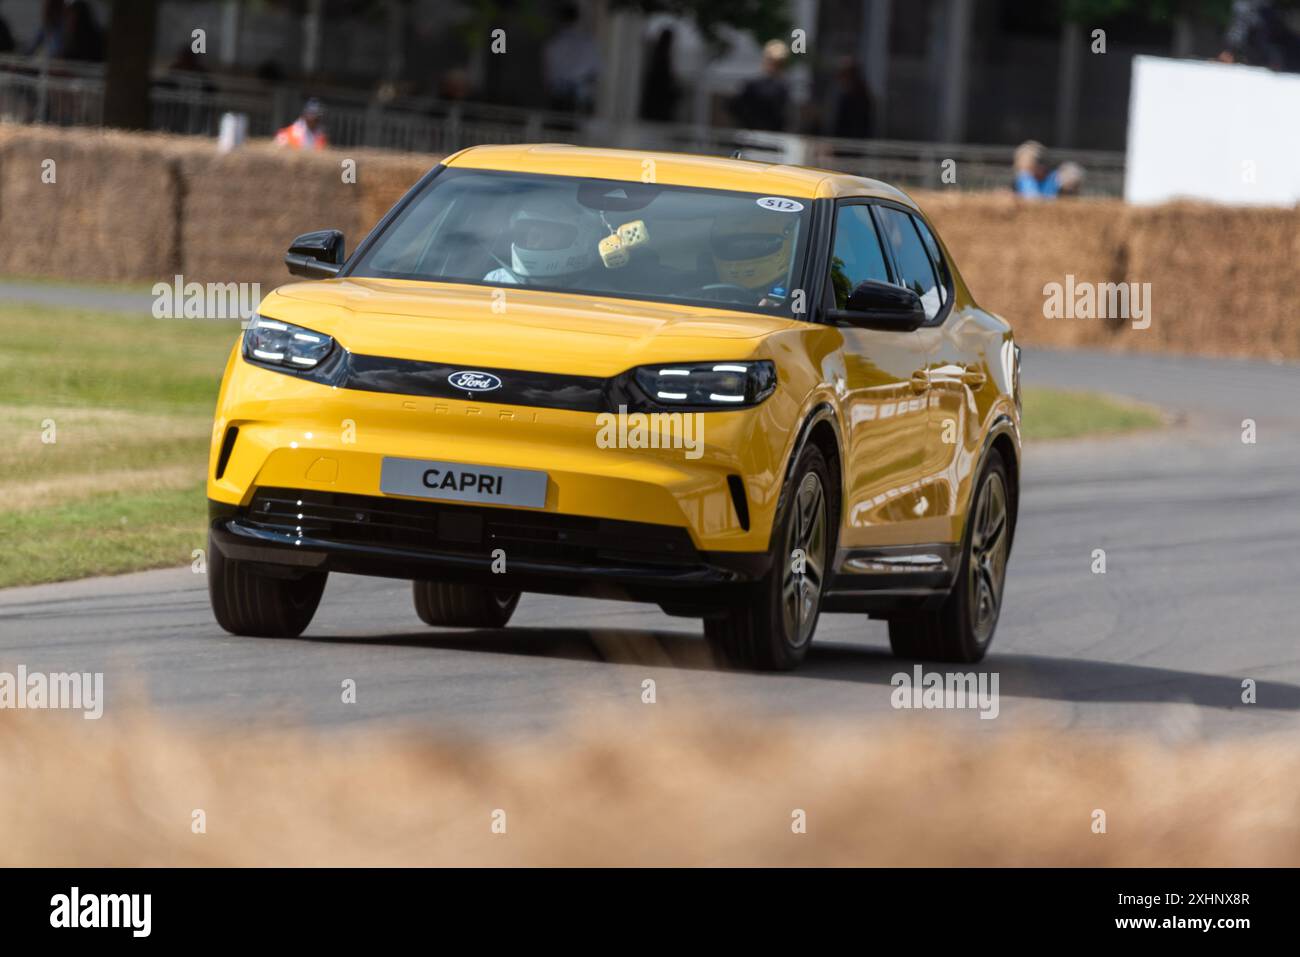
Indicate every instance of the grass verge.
{"type": "Point", "coordinates": [103, 439]}
{"type": "Point", "coordinates": [102, 535]}
{"type": "Point", "coordinates": [1055, 414]}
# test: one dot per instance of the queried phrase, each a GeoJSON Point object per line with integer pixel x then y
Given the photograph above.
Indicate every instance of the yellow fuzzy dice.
{"type": "Point", "coordinates": [634, 233]}
{"type": "Point", "coordinates": [613, 253]}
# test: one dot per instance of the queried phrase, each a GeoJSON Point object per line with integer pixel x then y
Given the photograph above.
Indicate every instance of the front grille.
{"type": "Point", "coordinates": [440, 528]}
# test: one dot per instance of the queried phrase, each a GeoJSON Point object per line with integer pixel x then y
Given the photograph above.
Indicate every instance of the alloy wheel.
{"type": "Point", "coordinates": [802, 577]}
{"type": "Point", "coordinates": [988, 557]}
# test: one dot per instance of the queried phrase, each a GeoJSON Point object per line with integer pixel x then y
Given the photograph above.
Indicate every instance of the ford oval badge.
{"type": "Point", "coordinates": [474, 381]}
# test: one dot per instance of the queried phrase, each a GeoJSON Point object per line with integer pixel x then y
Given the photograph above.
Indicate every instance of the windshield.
{"type": "Point", "coordinates": [597, 237]}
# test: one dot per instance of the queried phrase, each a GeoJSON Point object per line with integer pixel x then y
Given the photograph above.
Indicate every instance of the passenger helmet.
{"type": "Point", "coordinates": [752, 249]}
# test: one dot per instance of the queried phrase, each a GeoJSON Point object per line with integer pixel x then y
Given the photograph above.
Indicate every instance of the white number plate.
{"type": "Point", "coordinates": [459, 482]}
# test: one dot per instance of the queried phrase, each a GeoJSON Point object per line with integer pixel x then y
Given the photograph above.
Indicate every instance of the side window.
{"type": "Point", "coordinates": [857, 254]}
{"type": "Point", "coordinates": [936, 257]}
{"type": "Point", "coordinates": [911, 258]}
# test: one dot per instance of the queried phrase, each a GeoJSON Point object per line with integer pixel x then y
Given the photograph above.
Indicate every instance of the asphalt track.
{"type": "Point", "coordinates": [1202, 590]}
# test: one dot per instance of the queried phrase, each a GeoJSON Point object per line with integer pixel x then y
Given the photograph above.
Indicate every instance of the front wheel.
{"type": "Point", "coordinates": [768, 625]}
{"type": "Point", "coordinates": [961, 629]}
{"type": "Point", "coordinates": [250, 602]}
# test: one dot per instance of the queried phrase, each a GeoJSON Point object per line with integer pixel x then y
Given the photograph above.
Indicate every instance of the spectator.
{"type": "Point", "coordinates": [570, 65]}
{"type": "Point", "coordinates": [761, 103]}
{"type": "Point", "coordinates": [1031, 180]}
{"type": "Point", "coordinates": [1069, 178]}
{"type": "Point", "coordinates": [307, 132]}
{"type": "Point", "coordinates": [187, 73]}
{"type": "Point", "coordinates": [6, 37]}
{"type": "Point", "coordinates": [49, 36]}
{"type": "Point", "coordinates": [83, 37]}
{"type": "Point", "coordinates": [454, 85]}
{"type": "Point", "coordinates": [1258, 35]}
{"type": "Point", "coordinates": [186, 60]}
{"type": "Point", "coordinates": [851, 105]}
{"type": "Point", "coordinates": [660, 92]}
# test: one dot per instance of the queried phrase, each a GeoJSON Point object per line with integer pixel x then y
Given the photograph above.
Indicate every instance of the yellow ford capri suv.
{"type": "Point", "coordinates": [749, 393]}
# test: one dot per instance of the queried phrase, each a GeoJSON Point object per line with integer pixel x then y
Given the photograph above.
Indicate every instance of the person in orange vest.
{"type": "Point", "coordinates": [306, 132]}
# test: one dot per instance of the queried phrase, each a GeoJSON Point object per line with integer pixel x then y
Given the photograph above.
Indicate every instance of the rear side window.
{"type": "Point", "coordinates": [914, 265]}
{"type": "Point", "coordinates": [857, 254]}
{"type": "Point", "coordinates": [936, 257]}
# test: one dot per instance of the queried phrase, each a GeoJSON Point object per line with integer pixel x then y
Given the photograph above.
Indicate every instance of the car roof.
{"type": "Point", "coordinates": [675, 169]}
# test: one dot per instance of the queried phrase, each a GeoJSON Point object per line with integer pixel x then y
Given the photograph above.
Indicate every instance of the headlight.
{"type": "Point", "coordinates": [715, 385]}
{"type": "Point", "coordinates": [276, 343]}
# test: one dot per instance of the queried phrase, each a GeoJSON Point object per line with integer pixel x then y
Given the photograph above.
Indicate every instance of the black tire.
{"type": "Point", "coordinates": [256, 605]}
{"type": "Point", "coordinates": [961, 629]}
{"type": "Point", "coordinates": [464, 606]}
{"type": "Point", "coordinates": [756, 632]}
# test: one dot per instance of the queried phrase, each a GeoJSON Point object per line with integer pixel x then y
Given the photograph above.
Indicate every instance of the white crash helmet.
{"type": "Point", "coordinates": [551, 236]}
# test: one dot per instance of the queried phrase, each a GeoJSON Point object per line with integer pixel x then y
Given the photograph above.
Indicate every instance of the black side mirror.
{"type": "Point", "coordinates": [879, 305]}
{"type": "Point", "coordinates": [316, 255]}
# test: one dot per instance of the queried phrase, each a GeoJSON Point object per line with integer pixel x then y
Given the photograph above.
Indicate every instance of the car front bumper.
{"type": "Point", "coordinates": [720, 489]}
{"type": "Point", "coordinates": [297, 531]}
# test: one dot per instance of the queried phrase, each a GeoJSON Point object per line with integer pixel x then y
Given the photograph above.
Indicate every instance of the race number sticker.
{"type": "Point", "coordinates": [779, 204]}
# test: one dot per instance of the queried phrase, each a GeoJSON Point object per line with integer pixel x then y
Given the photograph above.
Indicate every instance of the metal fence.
{"type": "Point", "coordinates": [72, 95]}
{"type": "Point", "coordinates": [51, 91]}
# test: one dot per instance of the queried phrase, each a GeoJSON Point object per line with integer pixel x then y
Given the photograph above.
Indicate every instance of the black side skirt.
{"type": "Point", "coordinates": [881, 580]}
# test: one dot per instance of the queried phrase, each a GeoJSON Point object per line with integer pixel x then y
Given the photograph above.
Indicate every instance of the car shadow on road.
{"type": "Point", "coordinates": [623, 646]}
{"type": "Point", "coordinates": [1062, 679]}
{"type": "Point", "coordinates": [1019, 675]}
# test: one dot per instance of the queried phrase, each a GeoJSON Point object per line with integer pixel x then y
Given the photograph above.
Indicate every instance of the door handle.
{"type": "Point", "coordinates": [973, 376]}
{"type": "Point", "coordinates": [920, 381]}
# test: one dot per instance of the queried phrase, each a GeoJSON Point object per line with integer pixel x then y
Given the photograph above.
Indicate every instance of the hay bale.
{"type": "Point", "coordinates": [111, 213]}
{"type": "Point", "coordinates": [384, 178]}
{"type": "Point", "coordinates": [1008, 249]}
{"type": "Point", "coordinates": [129, 207]}
{"type": "Point", "coordinates": [242, 209]}
{"type": "Point", "coordinates": [1223, 281]}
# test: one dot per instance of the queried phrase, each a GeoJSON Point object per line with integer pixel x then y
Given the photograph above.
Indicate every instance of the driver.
{"type": "Point", "coordinates": [550, 237]}
{"type": "Point", "coordinates": [752, 250]}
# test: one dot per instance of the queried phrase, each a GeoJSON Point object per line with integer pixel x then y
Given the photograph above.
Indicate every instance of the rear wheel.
{"type": "Point", "coordinates": [249, 602]}
{"type": "Point", "coordinates": [769, 624]}
{"type": "Point", "coordinates": [464, 606]}
{"type": "Point", "coordinates": [961, 629]}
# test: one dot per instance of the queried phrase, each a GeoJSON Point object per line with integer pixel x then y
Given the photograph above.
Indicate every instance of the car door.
{"type": "Point", "coordinates": [884, 415]}
{"type": "Point", "coordinates": [954, 373]}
